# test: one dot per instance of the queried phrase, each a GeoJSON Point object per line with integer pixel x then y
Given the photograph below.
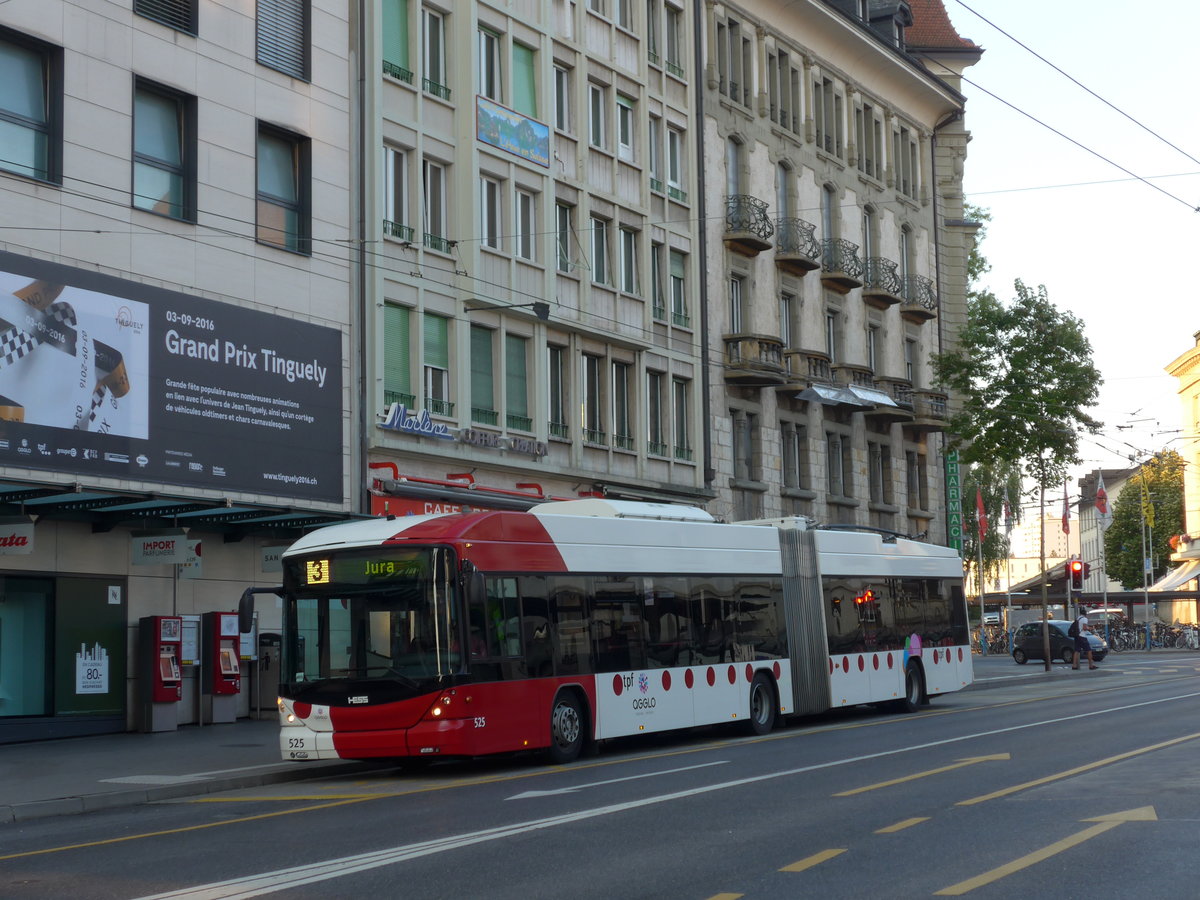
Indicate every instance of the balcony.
{"type": "Point", "coordinates": [881, 286]}
{"type": "Point", "coordinates": [841, 269]}
{"type": "Point", "coordinates": [899, 389]}
{"type": "Point", "coordinates": [747, 229]}
{"type": "Point", "coordinates": [396, 230]}
{"type": "Point", "coordinates": [919, 302]}
{"type": "Point", "coordinates": [754, 360]}
{"type": "Point", "coordinates": [843, 373]}
{"type": "Point", "coordinates": [400, 73]}
{"type": "Point", "coordinates": [929, 411]}
{"type": "Point", "coordinates": [807, 367]}
{"type": "Point", "coordinates": [797, 249]}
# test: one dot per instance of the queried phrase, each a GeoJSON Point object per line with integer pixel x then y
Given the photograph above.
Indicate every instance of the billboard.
{"type": "Point", "coordinates": [106, 377]}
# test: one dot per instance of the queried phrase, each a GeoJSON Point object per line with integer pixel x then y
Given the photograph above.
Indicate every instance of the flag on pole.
{"type": "Point", "coordinates": [1103, 511]}
{"type": "Point", "coordinates": [1008, 516]}
{"type": "Point", "coordinates": [980, 515]}
{"type": "Point", "coordinates": [1066, 511]}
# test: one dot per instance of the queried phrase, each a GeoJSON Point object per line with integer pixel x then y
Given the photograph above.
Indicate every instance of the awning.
{"type": "Point", "coordinates": [1178, 577]}
{"type": "Point", "coordinates": [831, 395]}
{"type": "Point", "coordinates": [872, 395]}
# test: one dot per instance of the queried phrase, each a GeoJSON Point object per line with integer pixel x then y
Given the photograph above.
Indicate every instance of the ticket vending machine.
{"type": "Point", "coordinates": [221, 678]}
{"type": "Point", "coordinates": [160, 678]}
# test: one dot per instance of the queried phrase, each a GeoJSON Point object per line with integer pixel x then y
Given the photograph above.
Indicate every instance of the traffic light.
{"type": "Point", "coordinates": [1075, 567]}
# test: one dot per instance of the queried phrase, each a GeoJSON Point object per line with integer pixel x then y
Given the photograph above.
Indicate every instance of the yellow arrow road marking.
{"type": "Point", "coordinates": [814, 860]}
{"type": "Point", "coordinates": [969, 761]}
{"type": "Point", "coordinates": [1106, 823]}
{"type": "Point", "coordinates": [900, 826]}
{"type": "Point", "coordinates": [1076, 771]}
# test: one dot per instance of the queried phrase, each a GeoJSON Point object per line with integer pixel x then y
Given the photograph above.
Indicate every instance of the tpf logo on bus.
{"type": "Point", "coordinates": [623, 683]}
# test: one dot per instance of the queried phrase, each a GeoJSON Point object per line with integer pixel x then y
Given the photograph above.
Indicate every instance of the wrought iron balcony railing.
{"type": "Point", "coordinates": [798, 237]}
{"type": "Point", "coordinates": [436, 242]}
{"type": "Point", "coordinates": [483, 416]}
{"type": "Point", "coordinates": [838, 255]}
{"type": "Point", "coordinates": [398, 72]}
{"type": "Point", "coordinates": [519, 423]}
{"type": "Point", "coordinates": [438, 90]}
{"type": "Point", "coordinates": [390, 397]}
{"type": "Point", "coordinates": [747, 215]}
{"type": "Point", "coordinates": [918, 291]}
{"type": "Point", "coordinates": [559, 430]}
{"type": "Point", "coordinates": [881, 276]}
{"type": "Point", "coordinates": [396, 230]}
{"type": "Point", "coordinates": [439, 407]}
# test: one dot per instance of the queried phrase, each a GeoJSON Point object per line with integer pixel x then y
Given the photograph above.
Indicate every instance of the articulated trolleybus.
{"type": "Point", "coordinates": [582, 620]}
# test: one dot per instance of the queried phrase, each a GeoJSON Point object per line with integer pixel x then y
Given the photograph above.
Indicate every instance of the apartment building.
{"type": "Point", "coordinates": [175, 293]}
{"type": "Point", "coordinates": [833, 144]}
{"type": "Point", "coordinates": [530, 271]}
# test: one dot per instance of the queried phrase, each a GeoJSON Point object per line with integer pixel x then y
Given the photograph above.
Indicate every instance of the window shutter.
{"type": "Point", "coordinates": [524, 91]}
{"type": "Point", "coordinates": [395, 32]}
{"type": "Point", "coordinates": [481, 368]}
{"type": "Point", "coordinates": [179, 14]}
{"type": "Point", "coordinates": [515, 375]}
{"type": "Point", "coordinates": [397, 377]}
{"type": "Point", "coordinates": [437, 344]}
{"type": "Point", "coordinates": [282, 33]}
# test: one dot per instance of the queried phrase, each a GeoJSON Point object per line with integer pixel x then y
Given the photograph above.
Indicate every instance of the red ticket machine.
{"type": "Point", "coordinates": [222, 671]}
{"type": "Point", "coordinates": [160, 643]}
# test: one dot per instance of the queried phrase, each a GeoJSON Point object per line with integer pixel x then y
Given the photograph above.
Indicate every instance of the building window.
{"type": "Point", "coordinates": [524, 80]}
{"type": "Point", "coordinates": [600, 273]}
{"type": "Point", "coordinates": [625, 119]}
{"type": "Point", "coordinates": [395, 40]}
{"type": "Point", "coordinates": [904, 151]}
{"type": "Point", "coordinates": [283, 190]}
{"type": "Point", "coordinates": [397, 375]}
{"type": "Point", "coordinates": [622, 414]}
{"type": "Point", "coordinates": [795, 455]}
{"type": "Point", "coordinates": [735, 60]}
{"type": "Point", "coordinates": [653, 26]}
{"type": "Point", "coordinates": [526, 224]}
{"type": "Point", "coordinates": [436, 368]}
{"type": "Point", "coordinates": [681, 419]}
{"type": "Point", "coordinates": [870, 228]}
{"type": "Point", "coordinates": [783, 90]}
{"type": "Point", "coordinates": [592, 401]}
{"type": "Point", "coordinates": [489, 212]}
{"type": "Point", "coordinates": [395, 194]}
{"type": "Point", "coordinates": [483, 398]}
{"type": "Point", "coordinates": [679, 305]}
{"type": "Point", "coordinates": [557, 395]}
{"type": "Point", "coordinates": [164, 142]}
{"type": "Point", "coordinates": [745, 427]}
{"type": "Point", "coordinates": [562, 98]}
{"type": "Point", "coordinates": [910, 358]}
{"type": "Point", "coordinates": [629, 273]}
{"type": "Point", "coordinates": [827, 114]}
{"type": "Point", "coordinates": [657, 289]}
{"type": "Point", "coordinates": [564, 226]}
{"type": "Point", "coordinates": [625, 14]}
{"type": "Point", "coordinates": [879, 462]}
{"type": "Point", "coordinates": [829, 217]}
{"type": "Point", "coordinates": [869, 133]}
{"type": "Point", "coordinates": [656, 431]}
{"type": "Point", "coordinates": [433, 43]}
{"type": "Point", "coordinates": [787, 310]}
{"type": "Point", "coordinates": [490, 76]}
{"type": "Point", "coordinates": [600, 7]}
{"type": "Point", "coordinates": [906, 256]}
{"type": "Point", "coordinates": [673, 32]}
{"type": "Point", "coordinates": [675, 173]}
{"type": "Point", "coordinates": [654, 140]}
{"type": "Point", "coordinates": [918, 482]}
{"type": "Point", "coordinates": [516, 382]}
{"type": "Point", "coordinates": [837, 463]}
{"type": "Point", "coordinates": [597, 115]}
{"type": "Point", "coordinates": [736, 287]}
{"type": "Point", "coordinates": [874, 331]}
{"type": "Point", "coordinates": [833, 335]}
{"type": "Point", "coordinates": [434, 180]}
{"type": "Point", "coordinates": [177, 14]}
{"type": "Point", "coordinates": [282, 33]}
{"type": "Point", "coordinates": [30, 107]}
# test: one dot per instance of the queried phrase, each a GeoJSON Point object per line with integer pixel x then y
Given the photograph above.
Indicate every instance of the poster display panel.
{"type": "Point", "coordinates": [108, 377]}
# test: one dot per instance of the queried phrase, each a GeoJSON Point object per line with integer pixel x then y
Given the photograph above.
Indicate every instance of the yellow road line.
{"type": "Point", "coordinates": [815, 860]}
{"type": "Point", "coordinates": [900, 826]}
{"type": "Point", "coordinates": [726, 896]}
{"type": "Point", "coordinates": [1105, 823]}
{"type": "Point", "coordinates": [1004, 792]}
{"type": "Point", "coordinates": [970, 761]}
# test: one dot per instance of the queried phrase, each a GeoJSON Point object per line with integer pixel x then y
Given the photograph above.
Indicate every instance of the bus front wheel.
{"type": "Point", "coordinates": [566, 729]}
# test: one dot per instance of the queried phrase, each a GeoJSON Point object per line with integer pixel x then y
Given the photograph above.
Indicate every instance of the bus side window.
{"type": "Point", "coordinates": [502, 618]}
{"type": "Point", "coordinates": [570, 611]}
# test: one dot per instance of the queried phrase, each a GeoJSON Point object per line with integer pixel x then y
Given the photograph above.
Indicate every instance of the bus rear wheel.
{"type": "Point", "coordinates": [762, 705]}
{"type": "Point", "coordinates": [914, 689]}
{"type": "Point", "coordinates": [566, 729]}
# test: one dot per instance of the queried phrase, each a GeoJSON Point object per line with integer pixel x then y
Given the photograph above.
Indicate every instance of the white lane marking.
{"type": "Point", "coordinates": [298, 876]}
{"type": "Point", "coordinates": [580, 787]}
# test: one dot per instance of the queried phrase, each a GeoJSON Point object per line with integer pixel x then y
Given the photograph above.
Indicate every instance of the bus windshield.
{"type": "Point", "coordinates": [382, 615]}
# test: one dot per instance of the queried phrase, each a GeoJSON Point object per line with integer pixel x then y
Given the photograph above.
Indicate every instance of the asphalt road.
{"type": "Point", "coordinates": [1077, 786]}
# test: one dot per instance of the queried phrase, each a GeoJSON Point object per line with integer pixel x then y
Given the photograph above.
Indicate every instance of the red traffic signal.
{"type": "Point", "coordinates": [1075, 568]}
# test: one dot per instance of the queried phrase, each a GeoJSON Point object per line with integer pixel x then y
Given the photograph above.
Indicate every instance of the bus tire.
{"type": "Point", "coordinates": [568, 733]}
{"type": "Point", "coordinates": [763, 706]}
{"type": "Point", "coordinates": [914, 689]}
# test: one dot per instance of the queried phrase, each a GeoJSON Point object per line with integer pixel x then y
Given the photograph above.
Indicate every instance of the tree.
{"type": "Point", "coordinates": [1124, 551]}
{"type": "Point", "coordinates": [1025, 378]}
{"type": "Point", "coordinates": [994, 482]}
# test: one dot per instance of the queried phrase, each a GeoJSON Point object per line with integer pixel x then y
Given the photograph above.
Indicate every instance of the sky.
{"type": "Point", "coordinates": [1114, 251]}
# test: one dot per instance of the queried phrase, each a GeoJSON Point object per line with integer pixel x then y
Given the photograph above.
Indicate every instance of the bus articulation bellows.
{"type": "Point", "coordinates": [487, 632]}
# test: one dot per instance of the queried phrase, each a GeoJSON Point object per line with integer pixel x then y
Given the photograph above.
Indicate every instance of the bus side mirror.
{"type": "Point", "coordinates": [471, 580]}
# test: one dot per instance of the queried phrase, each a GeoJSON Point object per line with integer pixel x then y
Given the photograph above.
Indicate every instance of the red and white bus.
{"type": "Point", "coordinates": [578, 621]}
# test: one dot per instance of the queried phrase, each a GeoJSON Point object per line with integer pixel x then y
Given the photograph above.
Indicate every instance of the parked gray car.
{"type": "Point", "coordinates": [1027, 643]}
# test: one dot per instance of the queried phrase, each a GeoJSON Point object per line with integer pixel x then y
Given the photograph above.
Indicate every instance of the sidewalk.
{"type": "Point", "coordinates": [73, 775]}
